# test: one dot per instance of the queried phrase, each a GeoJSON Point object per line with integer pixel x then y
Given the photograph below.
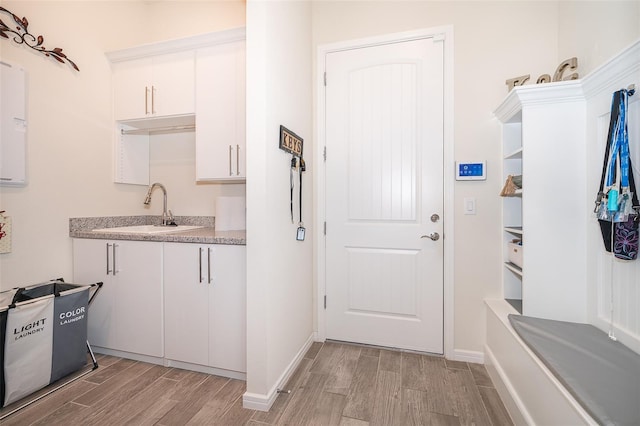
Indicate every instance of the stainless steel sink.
{"type": "Point", "coordinates": [147, 229]}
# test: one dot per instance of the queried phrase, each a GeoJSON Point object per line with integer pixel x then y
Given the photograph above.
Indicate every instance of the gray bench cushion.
{"type": "Point", "coordinates": [601, 374]}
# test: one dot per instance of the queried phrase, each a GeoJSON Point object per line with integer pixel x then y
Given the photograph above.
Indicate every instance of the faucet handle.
{"type": "Point", "coordinates": [170, 219]}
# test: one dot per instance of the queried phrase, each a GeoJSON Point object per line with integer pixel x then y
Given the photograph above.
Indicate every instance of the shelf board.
{"type": "Point", "coordinates": [517, 230]}
{"type": "Point", "coordinates": [513, 268]}
{"type": "Point", "coordinates": [515, 155]}
{"type": "Point", "coordinates": [517, 193]}
{"type": "Point", "coordinates": [516, 303]}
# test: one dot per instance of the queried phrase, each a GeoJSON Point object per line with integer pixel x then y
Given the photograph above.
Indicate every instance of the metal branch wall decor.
{"type": "Point", "coordinates": [21, 35]}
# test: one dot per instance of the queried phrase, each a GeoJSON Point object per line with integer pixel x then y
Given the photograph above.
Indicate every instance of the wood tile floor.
{"type": "Point", "coordinates": [335, 384]}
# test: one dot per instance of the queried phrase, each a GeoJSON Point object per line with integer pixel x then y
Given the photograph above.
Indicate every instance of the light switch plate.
{"type": "Point", "coordinates": [469, 206]}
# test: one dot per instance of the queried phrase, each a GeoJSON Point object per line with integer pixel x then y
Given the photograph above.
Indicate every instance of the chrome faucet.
{"type": "Point", "coordinates": [167, 216]}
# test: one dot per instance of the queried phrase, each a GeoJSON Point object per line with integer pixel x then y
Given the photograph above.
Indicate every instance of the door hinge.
{"type": "Point", "coordinates": [325, 228]}
{"type": "Point", "coordinates": [325, 301]}
{"type": "Point", "coordinates": [325, 78]}
{"type": "Point", "coordinates": [324, 153]}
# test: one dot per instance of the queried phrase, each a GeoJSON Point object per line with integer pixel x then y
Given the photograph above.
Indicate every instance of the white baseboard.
{"type": "Point", "coordinates": [473, 357]}
{"type": "Point", "coordinates": [171, 363]}
{"type": "Point", "coordinates": [263, 402]}
{"type": "Point", "coordinates": [507, 393]}
{"type": "Point", "coordinates": [129, 355]}
{"type": "Point", "coordinates": [238, 375]}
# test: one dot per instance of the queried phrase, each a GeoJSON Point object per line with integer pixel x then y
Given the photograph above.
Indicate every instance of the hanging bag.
{"type": "Point", "coordinates": [617, 203]}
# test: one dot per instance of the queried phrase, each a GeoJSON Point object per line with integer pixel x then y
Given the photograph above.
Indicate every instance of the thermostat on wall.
{"type": "Point", "coordinates": [471, 171]}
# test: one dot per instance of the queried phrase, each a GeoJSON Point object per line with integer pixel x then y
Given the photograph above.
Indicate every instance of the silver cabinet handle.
{"type": "Point", "coordinates": [208, 265]}
{"type": "Point", "coordinates": [200, 263]}
{"type": "Point", "coordinates": [146, 100]}
{"type": "Point", "coordinates": [153, 98]}
{"type": "Point", "coordinates": [237, 160]}
{"type": "Point", "coordinates": [230, 150]}
{"type": "Point", "coordinates": [114, 259]}
{"type": "Point", "coordinates": [433, 236]}
{"type": "Point", "coordinates": [108, 247]}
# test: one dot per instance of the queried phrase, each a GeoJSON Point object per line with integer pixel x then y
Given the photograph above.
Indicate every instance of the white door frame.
{"type": "Point", "coordinates": [446, 33]}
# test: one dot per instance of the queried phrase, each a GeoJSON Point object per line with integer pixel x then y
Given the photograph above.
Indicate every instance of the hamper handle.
{"type": "Point", "coordinates": [16, 296]}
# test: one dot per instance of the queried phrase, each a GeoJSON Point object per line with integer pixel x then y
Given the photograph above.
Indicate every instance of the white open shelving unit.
{"type": "Point", "coordinates": [512, 208]}
{"type": "Point", "coordinates": [543, 133]}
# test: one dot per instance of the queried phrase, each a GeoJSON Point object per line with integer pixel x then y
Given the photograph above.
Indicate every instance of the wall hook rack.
{"type": "Point", "coordinates": [631, 89]}
{"type": "Point", "coordinates": [20, 34]}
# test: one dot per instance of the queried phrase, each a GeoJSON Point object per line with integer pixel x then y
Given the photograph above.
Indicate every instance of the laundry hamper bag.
{"type": "Point", "coordinates": [44, 331]}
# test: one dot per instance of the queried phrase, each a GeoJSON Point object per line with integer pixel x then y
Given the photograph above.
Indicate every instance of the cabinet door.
{"type": "Point", "coordinates": [227, 308]}
{"type": "Point", "coordinates": [126, 314]}
{"type": "Point", "coordinates": [220, 112]}
{"type": "Point", "coordinates": [173, 86]}
{"type": "Point", "coordinates": [154, 87]}
{"type": "Point", "coordinates": [138, 281]}
{"type": "Point", "coordinates": [91, 259]}
{"type": "Point", "coordinates": [186, 303]}
{"type": "Point", "coordinates": [132, 86]}
{"type": "Point", "coordinates": [241, 101]}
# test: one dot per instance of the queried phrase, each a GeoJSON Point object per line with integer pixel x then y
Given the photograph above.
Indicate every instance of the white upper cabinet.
{"type": "Point", "coordinates": [169, 86]}
{"type": "Point", "coordinates": [156, 86]}
{"type": "Point", "coordinates": [220, 112]}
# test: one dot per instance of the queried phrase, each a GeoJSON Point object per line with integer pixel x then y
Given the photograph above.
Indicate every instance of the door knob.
{"type": "Point", "coordinates": [433, 236]}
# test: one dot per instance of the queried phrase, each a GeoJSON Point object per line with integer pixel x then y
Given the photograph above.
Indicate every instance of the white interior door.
{"type": "Point", "coordinates": [384, 195]}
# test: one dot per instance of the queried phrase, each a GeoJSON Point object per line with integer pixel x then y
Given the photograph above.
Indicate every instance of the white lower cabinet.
{"type": "Point", "coordinates": [126, 314]}
{"type": "Point", "coordinates": [178, 301]}
{"type": "Point", "coordinates": [205, 304]}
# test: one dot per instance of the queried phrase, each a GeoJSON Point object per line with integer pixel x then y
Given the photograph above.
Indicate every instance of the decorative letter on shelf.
{"type": "Point", "coordinates": [571, 64]}
{"type": "Point", "coordinates": [22, 36]}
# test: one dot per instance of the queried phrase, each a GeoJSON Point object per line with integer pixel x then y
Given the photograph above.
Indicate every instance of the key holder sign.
{"type": "Point", "coordinates": [290, 142]}
{"type": "Point", "coordinates": [293, 144]}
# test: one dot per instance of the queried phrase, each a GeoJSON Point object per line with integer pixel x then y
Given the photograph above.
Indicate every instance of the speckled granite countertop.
{"type": "Point", "coordinates": [83, 227]}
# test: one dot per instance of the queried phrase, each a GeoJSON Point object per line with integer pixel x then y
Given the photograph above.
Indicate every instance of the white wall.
{"type": "Point", "coordinates": [279, 268]}
{"type": "Point", "coordinates": [595, 31]}
{"type": "Point", "coordinates": [70, 125]}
